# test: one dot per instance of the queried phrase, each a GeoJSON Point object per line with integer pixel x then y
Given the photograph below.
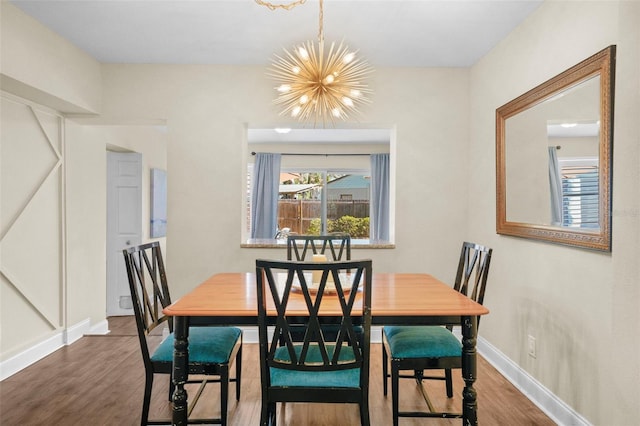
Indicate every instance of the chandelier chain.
{"type": "Point", "coordinates": [285, 6]}
{"type": "Point", "coordinates": [320, 25]}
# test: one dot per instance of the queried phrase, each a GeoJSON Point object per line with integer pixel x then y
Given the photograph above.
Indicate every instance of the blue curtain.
{"type": "Point", "coordinates": [379, 210]}
{"type": "Point", "coordinates": [555, 187]}
{"type": "Point", "coordinates": [264, 195]}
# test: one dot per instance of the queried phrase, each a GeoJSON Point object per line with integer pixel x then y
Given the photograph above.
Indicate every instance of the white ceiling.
{"type": "Point", "coordinates": [413, 33]}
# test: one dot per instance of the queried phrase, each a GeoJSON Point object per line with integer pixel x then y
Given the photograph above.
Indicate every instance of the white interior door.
{"type": "Point", "coordinates": [124, 225]}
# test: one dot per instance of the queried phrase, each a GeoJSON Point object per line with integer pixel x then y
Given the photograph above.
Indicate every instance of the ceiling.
{"type": "Point", "coordinates": [406, 33]}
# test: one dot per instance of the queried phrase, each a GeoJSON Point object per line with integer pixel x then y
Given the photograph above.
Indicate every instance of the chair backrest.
{"type": "Point", "coordinates": [473, 270]}
{"type": "Point", "coordinates": [280, 282]}
{"type": "Point", "coordinates": [149, 289]}
{"type": "Point", "coordinates": [334, 246]}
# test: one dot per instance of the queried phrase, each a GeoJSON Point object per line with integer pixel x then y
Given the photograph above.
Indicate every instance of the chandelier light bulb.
{"type": "Point", "coordinates": [304, 99]}
{"type": "Point", "coordinates": [347, 101]}
{"type": "Point", "coordinates": [348, 57]}
{"type": "Point", "coordinates": [355, 93]}
{"type": "Point", "coordinates": [304, 54]}
{"type": "Point", "coordinates": [284, 88]}
{"type": "Point", "coordinates": [336, 112]}
{"type": "Point", "coordinates": [329, 79]}
{"type": "Point", "coordinates": [295, 111]}
{"type": "Point", "coordinates": [295, 70]}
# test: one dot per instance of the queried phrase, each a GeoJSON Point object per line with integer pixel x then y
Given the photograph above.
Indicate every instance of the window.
{"type": "Point", "coordinates": [325, 184]}
{"type": "Point", "coordinates": [579, 193]}
{"type": "Point", "coordinates": [320, 204]}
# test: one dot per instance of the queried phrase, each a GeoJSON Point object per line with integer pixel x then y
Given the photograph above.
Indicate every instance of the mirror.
{"type": "Point", "coordinates": [554, 157]}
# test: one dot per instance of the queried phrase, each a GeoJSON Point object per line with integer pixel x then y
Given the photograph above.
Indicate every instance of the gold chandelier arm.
{"type": "Point", "coordinates": [286, 6]}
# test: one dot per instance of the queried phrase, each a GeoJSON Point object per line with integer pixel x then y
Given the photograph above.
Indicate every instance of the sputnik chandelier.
{"type": "Point", "coordinates": [316, 87]}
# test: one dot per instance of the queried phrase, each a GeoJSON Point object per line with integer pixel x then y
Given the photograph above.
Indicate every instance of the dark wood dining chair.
{"type": "Point", "coordinates": [317, 369]}
{"type": "Point", "coordinates": [335, 246]}
{"type": "Point", "coordinates": [420, 348]}
{"type": "Point", "coordinates": [211, 349]}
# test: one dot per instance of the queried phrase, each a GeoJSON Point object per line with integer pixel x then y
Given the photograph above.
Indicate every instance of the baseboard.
{"type": "Point", "coordinates": [100, 328]}
{"type": "Point", "coordinates": [49, 345]}
{"type": "Point", "coordinates": [76, 331]}
{"type": "Point", "coordinates": [31, 355]}
{"type": "Point", "coordinates": [549, 403]}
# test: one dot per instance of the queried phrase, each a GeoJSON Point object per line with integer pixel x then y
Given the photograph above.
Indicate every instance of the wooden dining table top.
{"type": "Point", "coordinates": [233, 294]}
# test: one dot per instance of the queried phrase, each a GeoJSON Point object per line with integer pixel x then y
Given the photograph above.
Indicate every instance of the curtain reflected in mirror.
{"type": "Point", "coordinates": [553, 153]}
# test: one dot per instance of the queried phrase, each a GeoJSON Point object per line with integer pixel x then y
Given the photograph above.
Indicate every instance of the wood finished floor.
{"type": "Point", "coordinates": [99, 380]}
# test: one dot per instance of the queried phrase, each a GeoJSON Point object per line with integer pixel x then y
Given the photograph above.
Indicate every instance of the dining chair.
{"type": "Point", "coordinates": [334, 246]}
{"type": "Point", "coordinates": [420, 348]}
{"type": "Point", "coordinates": [317, 369]}
{"type": "Point", "coordinates": [211, 349]}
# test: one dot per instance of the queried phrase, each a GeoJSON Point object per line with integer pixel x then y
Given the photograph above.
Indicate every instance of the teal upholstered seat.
{"type": "Point", "coordinates": [212, 350]}
{"type": "Point", "coordinates": [206, 345]}
{"type": "Point", "coordinates": [305, 358]}
{"type": "Point", "coordinates": [422, 342]}
{"type": "Point", "coordinates": [418, 348]}
{"type": "Point", "coordinates": [349, 378]}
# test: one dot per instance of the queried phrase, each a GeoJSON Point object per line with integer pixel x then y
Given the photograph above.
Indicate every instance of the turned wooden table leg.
{"type": "Point", "coordinates": [469, 371]}
{"type": "Point", "coordinates": [180, 369]}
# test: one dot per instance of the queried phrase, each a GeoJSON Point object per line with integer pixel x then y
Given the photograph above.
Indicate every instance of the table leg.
{"type": "Point", "coordinates": [180, 369]}
{"type": "Point", "coordinates": [469, 369]}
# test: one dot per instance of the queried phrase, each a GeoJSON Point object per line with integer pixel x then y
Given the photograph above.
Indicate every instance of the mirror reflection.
{"type": "Point", "coordinates": [552, 160]}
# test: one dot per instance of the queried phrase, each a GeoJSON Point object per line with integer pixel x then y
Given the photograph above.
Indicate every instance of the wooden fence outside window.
{"type": "Point", "coordinates": [298, 214]}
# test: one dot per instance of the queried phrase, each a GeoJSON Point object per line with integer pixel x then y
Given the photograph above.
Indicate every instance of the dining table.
{"type": "Point", "coordinates": [396, 299]}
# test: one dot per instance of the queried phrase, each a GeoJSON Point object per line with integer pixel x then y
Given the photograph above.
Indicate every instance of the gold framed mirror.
{"type": "Point", "coordinates": [554, 148]}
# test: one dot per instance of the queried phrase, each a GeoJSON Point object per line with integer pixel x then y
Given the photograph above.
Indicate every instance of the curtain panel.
{"type": "Point", "coordinates": [555, 187]}
{"type": "Point", "coordinates": [379, 210]}
{"type": "Point", "coordinates": [264, 196]}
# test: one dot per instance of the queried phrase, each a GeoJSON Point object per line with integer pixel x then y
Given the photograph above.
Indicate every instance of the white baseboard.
{"type": "Point", "coordinates": [31, 355]}
{"type": "Point", "coordinates": [549, 403]}
{"type": "Point", "coordinates": [49, 345]}
{"type": "Point", "coordinates": [100, 328]}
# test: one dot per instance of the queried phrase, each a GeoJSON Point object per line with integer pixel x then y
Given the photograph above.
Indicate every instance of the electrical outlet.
{"type": "Point", "coordinates": [531, 346]}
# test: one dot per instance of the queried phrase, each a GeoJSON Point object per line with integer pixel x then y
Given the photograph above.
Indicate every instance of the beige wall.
{"type": "Point", "coordinates": [86, 224]}
{"type": "Point", "coordinates": [87, 147]}
{"type": "Point", "coordinates": [39, 65]}
{"type": "Point", "coordinates": [206, 109]}
{"type": "Point", "coordinates": [581, 306]}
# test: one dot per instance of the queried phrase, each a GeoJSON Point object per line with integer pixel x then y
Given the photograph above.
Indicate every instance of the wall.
{"type": "Point", "coordinates": [39, 65]}
{"type": "Point", "coordinates": [580, 305]}
{"type": "Point", "coordinates": [206, 110]}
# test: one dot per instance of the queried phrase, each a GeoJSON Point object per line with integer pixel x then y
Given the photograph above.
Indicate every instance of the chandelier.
{"type": "Point", "coordinates": [315, 86]}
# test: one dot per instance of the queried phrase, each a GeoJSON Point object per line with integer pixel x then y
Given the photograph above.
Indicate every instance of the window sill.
{"type": "Point", "coordinates": [273, 243]}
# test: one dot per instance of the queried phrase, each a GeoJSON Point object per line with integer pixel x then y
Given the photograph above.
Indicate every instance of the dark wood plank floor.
{"type": "Point", "coordinates": [99, 380]}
